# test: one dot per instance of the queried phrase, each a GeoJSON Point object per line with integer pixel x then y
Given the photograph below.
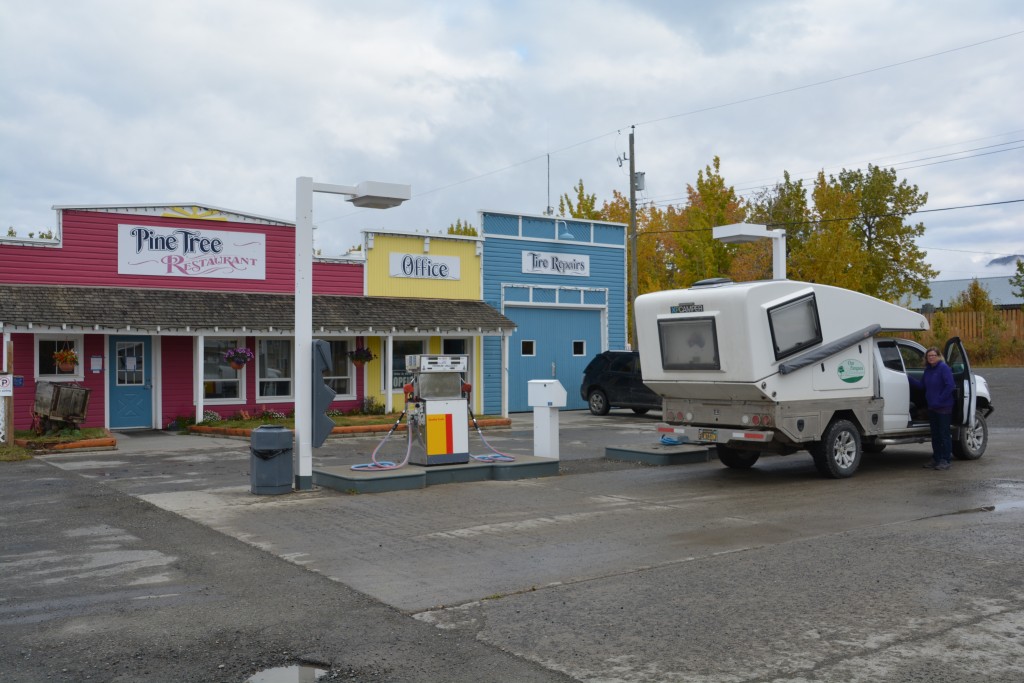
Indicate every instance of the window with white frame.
{"type": "Point", "coordinates": [528, 347]}
{"type": "Point", "coordinates": [221, 382]}
{"type": "Point", "coordinates": [341, 379]}
{"type": "Point", "coordinates": [579, 347]}
{"type": "Point", "coordinates": [399, 350]}
{"type": "Point", "coordinates": [274, 368]}
{"type": "Point", "coordinates": [454, 347]}
{"type": "Point", "coordinates": [459, 347]}
{"type": "Point", "coordinates": [47, 363]}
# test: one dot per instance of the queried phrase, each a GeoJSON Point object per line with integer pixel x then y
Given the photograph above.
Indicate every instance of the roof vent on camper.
{"type": "Point", "coordinates": [711, 282]}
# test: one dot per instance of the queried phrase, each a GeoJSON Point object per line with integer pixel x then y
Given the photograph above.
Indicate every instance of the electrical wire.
{"type": "Point", "coordinates": [692, 112]}
{"type": "Point", "coordinates": [836, 220]}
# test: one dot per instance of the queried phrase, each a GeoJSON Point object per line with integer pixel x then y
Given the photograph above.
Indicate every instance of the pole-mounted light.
{"type": "Point", "coordinates": [368, 195]}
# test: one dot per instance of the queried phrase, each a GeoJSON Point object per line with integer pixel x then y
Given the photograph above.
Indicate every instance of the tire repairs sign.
{"type": "Point", "coordinates": [545, 263]}
{"type": "Point", "coordinates": [188, 252]}
{"type": "Point", "coordinates": [851, 371]}
{"type": "Point", "coordinates": [424, 266]}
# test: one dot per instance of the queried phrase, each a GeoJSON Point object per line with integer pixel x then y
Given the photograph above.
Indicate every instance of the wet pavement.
{"type": "Point", "coordinates": [621, 572]}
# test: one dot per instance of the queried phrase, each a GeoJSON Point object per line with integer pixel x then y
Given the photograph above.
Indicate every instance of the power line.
{"type": "Point", "coordinates": [885, 162]}
{"type": "Point", "coordinates": [749, 191]}
{"type": "Point", "coordinates": [837, 220]}
{"type": "Point", "coordinates": [730, 104]}
{"type": "Point", "coordinates": [829, 80]}
{"type": "Point", "coordinates": [893, 164]}
{"type": "Point", "coordinates": [698, 111]}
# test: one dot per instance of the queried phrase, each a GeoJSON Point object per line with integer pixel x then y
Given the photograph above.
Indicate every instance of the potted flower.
{"type": "Point", "coordinates": [237, 358]}
{"type": "Point", "coordinates": [361, 356]}
{"type": "Point", "coordinates": [66, 359]}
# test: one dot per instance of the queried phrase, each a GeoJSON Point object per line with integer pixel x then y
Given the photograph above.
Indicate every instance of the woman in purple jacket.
{"type": "Point", "coordinates": [938, 385]}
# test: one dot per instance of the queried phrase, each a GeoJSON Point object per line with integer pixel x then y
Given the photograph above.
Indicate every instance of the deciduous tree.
{"type": "Point", "coordinates": [896, 266]}
{"type": "Point", "coordinates": [460, 228]}
{"type": "Point", "coordinates": [828, 249]}
{"type": "Point", "coordinates": [976, 299]}
{"type": "Point", "coordinates": [585, 206]}
{"type": "Point", "coordinates": [1017, 280]}
{"type": "Point", "coordinates": [781, 207]}
{"type": "Point", "coordinates": [698, 255]}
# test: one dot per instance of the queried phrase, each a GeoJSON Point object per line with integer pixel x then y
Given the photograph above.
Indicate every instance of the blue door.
{"type": "Point", "coordinates": [131, 382]}
{"type": "Point", "coordinates": [551, 343]}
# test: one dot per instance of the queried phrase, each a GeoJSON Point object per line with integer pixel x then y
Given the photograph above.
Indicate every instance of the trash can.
{"type": "Point", "coordinates": [270, 460]}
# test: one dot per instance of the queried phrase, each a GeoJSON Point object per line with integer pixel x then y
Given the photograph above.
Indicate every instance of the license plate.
{"type": "Point", "coordinates": [707, 435]}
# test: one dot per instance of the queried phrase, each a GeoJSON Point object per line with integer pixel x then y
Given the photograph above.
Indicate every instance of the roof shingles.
{"type": "Point", "coordinates": [114, 309]}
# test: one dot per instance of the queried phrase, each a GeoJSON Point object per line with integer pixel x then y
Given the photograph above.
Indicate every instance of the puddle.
{"type": "Point", "coordinates": [296, 673]}
{"type": "Point", "coordinates": [1001, 507]}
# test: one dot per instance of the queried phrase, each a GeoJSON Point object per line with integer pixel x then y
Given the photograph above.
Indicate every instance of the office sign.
{"type": "Point", "coordinates": [423, 266]}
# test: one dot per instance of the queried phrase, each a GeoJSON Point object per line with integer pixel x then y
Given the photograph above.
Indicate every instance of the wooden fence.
{"type": "Point", "coordinates": [986, 344]}
{"type": "Point", "coordinates": [970, 325]}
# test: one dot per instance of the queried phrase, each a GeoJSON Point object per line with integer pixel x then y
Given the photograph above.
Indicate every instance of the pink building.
{"type": "Point", "coordinates": [149, 297]}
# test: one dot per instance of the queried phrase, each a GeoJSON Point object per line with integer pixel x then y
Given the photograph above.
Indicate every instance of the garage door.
{"type": "Point", "coordinates": [551, 343]}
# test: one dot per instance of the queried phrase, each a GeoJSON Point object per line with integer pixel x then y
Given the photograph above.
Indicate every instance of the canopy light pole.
{"type": "Point", "coordinates": [739, 233]}
{"type": "Point", "coordinates": [367, 195]}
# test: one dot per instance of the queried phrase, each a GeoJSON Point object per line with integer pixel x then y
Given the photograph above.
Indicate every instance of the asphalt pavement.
{"type": "Point", "coordinates": [154, 562]}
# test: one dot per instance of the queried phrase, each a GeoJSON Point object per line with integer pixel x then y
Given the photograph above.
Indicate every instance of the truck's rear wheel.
{"type": "Point", "coordinates": [838, 455]}
{"type": "Point", "coordinates": [973, 439]}
{"type": "Point", "coordinates": [736, 458]}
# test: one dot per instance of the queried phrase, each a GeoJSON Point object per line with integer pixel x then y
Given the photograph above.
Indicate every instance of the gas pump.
{"type": "Point", "coordinates": [437, 406]}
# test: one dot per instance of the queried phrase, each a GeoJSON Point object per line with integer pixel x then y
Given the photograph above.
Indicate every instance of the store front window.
{"type": "Point", "coordinates": [47, 366]}
{"type": "Point", "coordinates": [340, 378]}
{"type": "Point", "coordinates": [400, 349]}
{"type": "Point", "coordinates": [274, 368]}
{"type": "Point", "coordinates": [221, 382]}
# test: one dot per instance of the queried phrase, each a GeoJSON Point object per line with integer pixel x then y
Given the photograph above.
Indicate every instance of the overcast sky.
{"type": "Point", "coordinates": [226, 102]}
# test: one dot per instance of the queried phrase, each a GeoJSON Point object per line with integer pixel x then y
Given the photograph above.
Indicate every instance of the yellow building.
{"type": "Point", "coordinates": [445, 269]}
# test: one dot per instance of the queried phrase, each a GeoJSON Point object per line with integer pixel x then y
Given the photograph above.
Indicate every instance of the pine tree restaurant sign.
{"type": "Point", "coordinates": [423, 266]}
{"type": "Point", "coordinates": [544, 263]}
{"type": "Point", "coordinates": [181, 252]}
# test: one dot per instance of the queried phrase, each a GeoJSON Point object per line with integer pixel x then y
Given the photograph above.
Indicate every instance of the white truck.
{"type": "Point", "coordinates": [780, 366]}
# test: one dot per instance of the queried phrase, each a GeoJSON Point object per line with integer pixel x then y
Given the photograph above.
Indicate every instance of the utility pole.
{"type": "Point", "coordinates": [633, 286]}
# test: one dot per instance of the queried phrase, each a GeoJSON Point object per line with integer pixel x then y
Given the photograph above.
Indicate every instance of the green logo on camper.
{"type": "Point", "coordinates": [851, 371]}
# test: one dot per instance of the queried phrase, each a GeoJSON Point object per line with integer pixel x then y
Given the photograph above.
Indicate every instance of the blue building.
{"type": "Point", "coordinates": [563, 282]}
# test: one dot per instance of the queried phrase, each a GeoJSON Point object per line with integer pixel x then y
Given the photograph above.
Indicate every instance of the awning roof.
{"type": "Point", "coordinates": [35, 308]}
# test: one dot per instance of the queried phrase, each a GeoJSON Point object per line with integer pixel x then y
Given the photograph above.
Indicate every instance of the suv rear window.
{"type": "Point", "coordinates": [625, 362]}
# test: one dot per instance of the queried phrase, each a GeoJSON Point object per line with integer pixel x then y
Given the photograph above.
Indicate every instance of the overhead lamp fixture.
{"type": "Point", "coordinates": [742, 233]}
{"type": "Point", "coordinates": [566, 235]}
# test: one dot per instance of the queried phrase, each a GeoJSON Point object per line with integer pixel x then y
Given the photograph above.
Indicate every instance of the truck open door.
{"type": "Point", "coordinates": [965, 396]}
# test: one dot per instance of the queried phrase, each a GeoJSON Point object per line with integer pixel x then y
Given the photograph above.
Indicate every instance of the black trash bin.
{"type": "Point", "coordinates": [270, 460]}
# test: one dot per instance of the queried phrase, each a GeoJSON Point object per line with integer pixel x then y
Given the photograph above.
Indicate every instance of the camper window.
{"type": "Point", "coordinates": [794, 326]}
{"type": "Point", "coordinates": [689, 344]}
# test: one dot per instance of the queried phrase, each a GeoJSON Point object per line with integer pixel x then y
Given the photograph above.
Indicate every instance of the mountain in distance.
{"type": "Point", "coordinates": [1005, 260]}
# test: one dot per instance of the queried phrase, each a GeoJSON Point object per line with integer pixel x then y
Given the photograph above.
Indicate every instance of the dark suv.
{"type": "Point", "coordinates": [612, 379]}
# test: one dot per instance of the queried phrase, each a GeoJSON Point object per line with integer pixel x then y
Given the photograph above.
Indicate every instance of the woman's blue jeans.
{"type": "Point", "coordinates": [942, 439]}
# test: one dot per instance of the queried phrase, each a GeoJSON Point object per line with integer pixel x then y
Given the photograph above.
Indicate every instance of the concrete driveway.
{"type": "Point", "coordinates": [620, 572]}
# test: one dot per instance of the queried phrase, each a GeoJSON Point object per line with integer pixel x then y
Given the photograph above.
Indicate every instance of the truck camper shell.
{"type": "Point", "coordinates": [728, 333]}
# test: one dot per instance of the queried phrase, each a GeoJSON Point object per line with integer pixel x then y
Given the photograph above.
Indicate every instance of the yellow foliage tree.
{"type": "Point", "coordinates": [831, 254]}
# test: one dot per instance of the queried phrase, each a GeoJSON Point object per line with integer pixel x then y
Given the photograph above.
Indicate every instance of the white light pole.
{"type": "Point", "coordinates": [738, 233]}
{"type": "Point", "coordinates": [369, 195]}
